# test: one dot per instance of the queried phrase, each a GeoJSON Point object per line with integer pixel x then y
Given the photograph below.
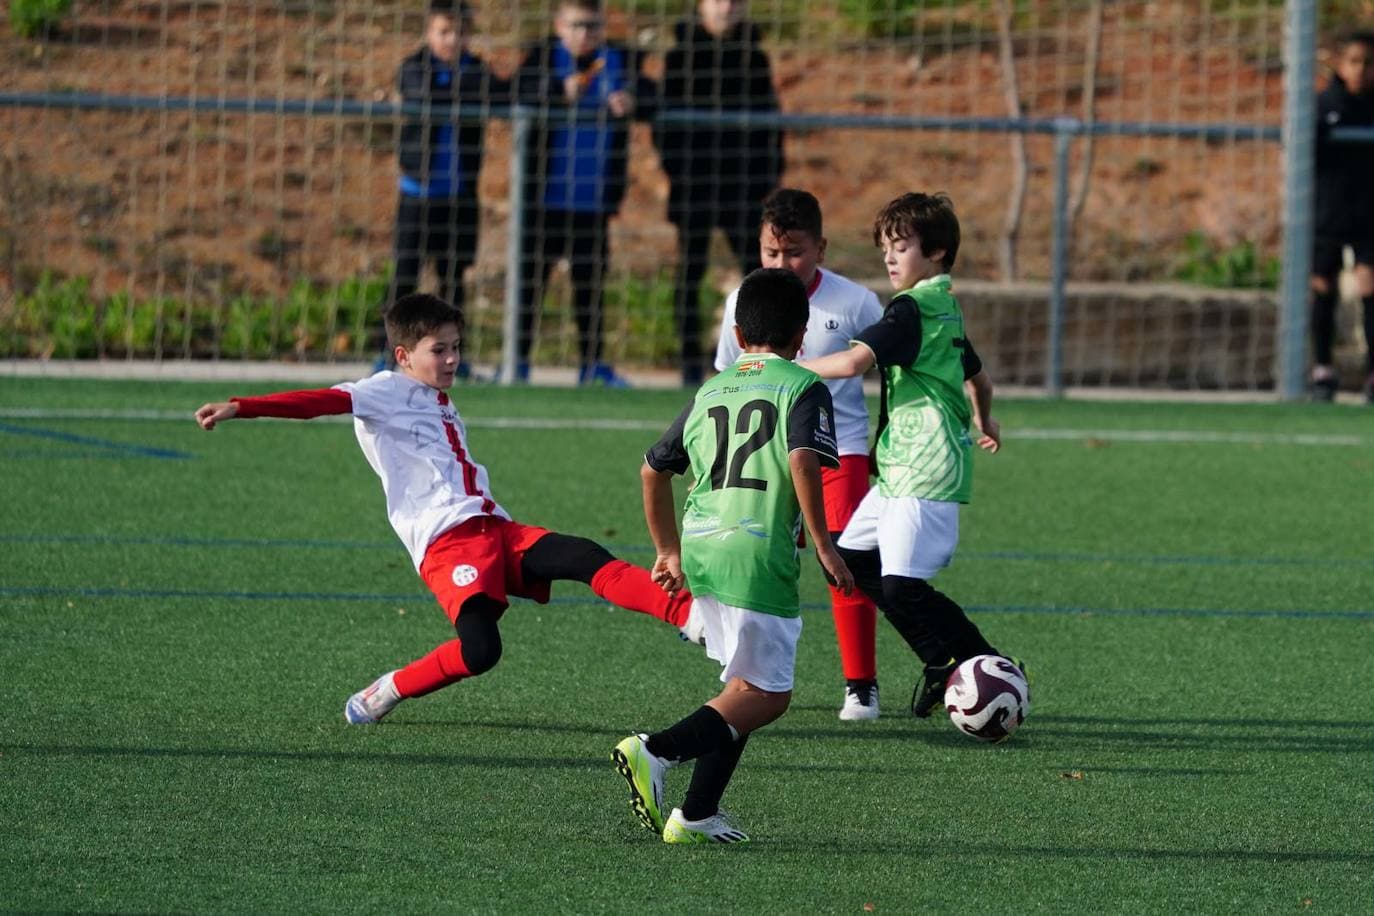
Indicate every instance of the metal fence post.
{"type": "Point", "coordinates": [1299, 136]}
{"type": "Point", "coordinates": [521, 119]}
{"type": "Point", "coordinates": [1064, 129]}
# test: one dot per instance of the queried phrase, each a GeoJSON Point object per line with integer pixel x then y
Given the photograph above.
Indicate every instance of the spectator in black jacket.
{"type": "Point", "coordinates": [586, 89]}
{"type": "Point", "coordinates": [1344, 208]}
{"type": "Point", "coordinates": [719, 176]}
{"type": "Point", "coordinates": [437, 212]}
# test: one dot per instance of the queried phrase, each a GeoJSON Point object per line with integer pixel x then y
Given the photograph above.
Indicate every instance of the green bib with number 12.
{"type": "Point", "coordinates": [740, 526]}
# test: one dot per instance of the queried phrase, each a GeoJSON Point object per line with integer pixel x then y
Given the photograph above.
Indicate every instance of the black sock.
{"type": "Point", "coordinates": [709, 778]}
{"type": "Point", "coordinates": [701, 733]}
{"type": "Point", "coordinates": [1323, 325]}
{"type": "Point", "coordinates": [1369, 331]}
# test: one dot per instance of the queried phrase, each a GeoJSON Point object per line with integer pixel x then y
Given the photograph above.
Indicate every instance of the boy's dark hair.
{"type": "Point", "coordinates": [459, 10]}
{"type": "Point", "coordinates": [772, 307]}
{"type": "Point", "coordinates": [928, 216]}
{"type": "Point", "coordinates": [413, 317]}
{"type": "Point", "coordinates": [792, 210]}
{"type": "Point", "coordinates": [1357, 37]}
{"type": "Point", "coordinates": [587, 6]}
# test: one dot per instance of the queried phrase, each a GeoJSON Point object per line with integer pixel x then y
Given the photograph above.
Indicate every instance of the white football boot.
{"type": "Point", "coordinates": [714, 829]}
{"type": "Point", "coordinates": [369, 706]}
{"type": "Point", "coordinates": [860, 703]}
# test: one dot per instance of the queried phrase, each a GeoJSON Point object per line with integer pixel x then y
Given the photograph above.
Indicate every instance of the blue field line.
{"type": "Point", "coordinates": [40, 591]}
{"type": "Point", "coordinates": [143, 451]}
{"type": "Point", "coordinates": [179, 541]}
{"type": "Point", "coordinates": [1030, 556]}
{"type": "Point", "coordinates": [1069, 556]}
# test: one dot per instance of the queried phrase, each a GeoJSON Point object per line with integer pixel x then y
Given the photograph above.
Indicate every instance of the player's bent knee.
{"type": "Point", "coordinates": [480, 640]}
{"type": "Point", "coordinates": [902, 591]}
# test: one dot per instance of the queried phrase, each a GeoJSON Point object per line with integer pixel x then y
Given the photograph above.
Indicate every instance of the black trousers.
{"type": "Point", "coordinates": [1327, 259]}
{"type": "Point", "coordinates": [741, 228]}
{"type": "Point", "coordinates": [582, 238]}
{"type": "Point", "coordinates": [442, 230]}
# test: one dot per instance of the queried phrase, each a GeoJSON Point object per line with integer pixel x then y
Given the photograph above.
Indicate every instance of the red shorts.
{"type": "Point", "coordinates": [481, 557]}
{"type": "Point", "coordinates": [844, 488]}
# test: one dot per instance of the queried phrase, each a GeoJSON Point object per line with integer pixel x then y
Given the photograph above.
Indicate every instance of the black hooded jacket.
{"type": "Point", "coordinates": [1345, 171]}
{"type": "Point", "coordinates": [729, 167]}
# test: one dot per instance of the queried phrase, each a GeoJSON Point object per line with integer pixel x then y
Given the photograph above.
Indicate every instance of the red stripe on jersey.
{"type": "Point", "coordinates": [296, 405]}
{"type": "Point", "coordinates": [815, 284]}
{"type": "Point", "coordinates": [469, 469]}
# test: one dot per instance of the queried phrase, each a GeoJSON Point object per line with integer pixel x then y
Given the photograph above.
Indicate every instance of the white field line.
{"type": "Point", "coordinates": [1180, 436]}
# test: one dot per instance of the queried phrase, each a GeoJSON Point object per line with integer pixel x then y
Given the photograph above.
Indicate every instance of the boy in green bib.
{"type": "Point", "coordinates": [934, 387]}
{"type": "Point", "coordinates": [754, 437]}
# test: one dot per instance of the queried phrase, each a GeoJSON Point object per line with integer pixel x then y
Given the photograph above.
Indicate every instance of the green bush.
{"type": "Point", "coordinates": [60, 318]}
{"type": "Point", "coordinates": [31, 18]}
{"type": "Point", "coordinates": [1239, 266]}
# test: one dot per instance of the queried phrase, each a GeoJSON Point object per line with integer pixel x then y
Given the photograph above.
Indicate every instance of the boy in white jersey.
{"type": "Point", "coordinates": [791, 237]}
{"type": "Point", "coordinates": [906, 528]}
{"type": "Point", "coordinates": [754, 437]}
{"type": "Point", "coordinates": [464, 545]}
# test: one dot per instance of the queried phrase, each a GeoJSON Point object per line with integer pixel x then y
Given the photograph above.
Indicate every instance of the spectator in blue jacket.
{"type": "Point", "coordinates": [437, 214]}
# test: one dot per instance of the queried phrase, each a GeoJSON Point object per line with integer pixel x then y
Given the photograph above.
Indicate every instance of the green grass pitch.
{"type": "Point", "coordinates": [183, 614]}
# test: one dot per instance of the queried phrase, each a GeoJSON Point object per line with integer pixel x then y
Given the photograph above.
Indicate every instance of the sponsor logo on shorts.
{"type": "Point", "coordinates": [464, 575]}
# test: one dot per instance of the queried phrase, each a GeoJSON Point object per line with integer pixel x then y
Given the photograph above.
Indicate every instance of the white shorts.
{"type": "Point", "coordinates": [915, 537]}
{"type": "Point", "coordinates": [753, 646]}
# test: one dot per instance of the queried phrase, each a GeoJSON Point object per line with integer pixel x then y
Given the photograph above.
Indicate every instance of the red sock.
{"type": "Point", "coordinates": [855, 625]}
{"type": "Point", "coordinates": [439, 668]}
{"type": "Point", "coordinates": [630, 587]}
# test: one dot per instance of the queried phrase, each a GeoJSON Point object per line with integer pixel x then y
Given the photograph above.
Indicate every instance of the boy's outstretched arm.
{"type": "Point", "coordinates": [857, 360]}
{"type": "Point", "coordinates": [658, 513]}
{"type": "Point", "coordinates": [806, 479]}
{"type": "Point", "coordinates": [979, 389]}
{"type": "Point", "coordinates": [295, 405]}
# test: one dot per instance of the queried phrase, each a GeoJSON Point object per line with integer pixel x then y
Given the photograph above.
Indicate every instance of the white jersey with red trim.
{"type": "Point", "coordinates": [416, 442]}
{"type": "Point", "coordinates": [840, 309]}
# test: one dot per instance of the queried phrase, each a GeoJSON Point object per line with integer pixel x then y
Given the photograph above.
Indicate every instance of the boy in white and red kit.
{"type": "Point", "coordinates": [468, 550]}
{"type": "Point", "coordinates": [791, 237]}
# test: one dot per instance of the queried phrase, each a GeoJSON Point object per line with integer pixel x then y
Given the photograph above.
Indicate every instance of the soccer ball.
{"type": "Point", "coordinates": [987, 698]}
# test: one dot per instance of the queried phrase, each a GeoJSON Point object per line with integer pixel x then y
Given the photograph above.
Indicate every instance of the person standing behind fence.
{"type": "Point", "coordinates": [585, 89]}
{"type": "Point", "coordinates": [719, 176]}
{"type": "Point", "coordinates": [437, 214]}
{"type": "Point", "coordinates": [1344, 208]}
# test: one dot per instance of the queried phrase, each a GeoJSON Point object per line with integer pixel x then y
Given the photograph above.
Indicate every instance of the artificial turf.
{"type": "Point", "coordinates": [183, 614]}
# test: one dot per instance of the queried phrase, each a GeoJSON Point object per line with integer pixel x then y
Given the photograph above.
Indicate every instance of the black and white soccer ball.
{"type": "Point", "coordinates": [987, 698]}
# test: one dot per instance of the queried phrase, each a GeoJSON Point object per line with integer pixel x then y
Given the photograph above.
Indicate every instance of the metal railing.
{"type": "Point", "coordinates": [1297, 139]}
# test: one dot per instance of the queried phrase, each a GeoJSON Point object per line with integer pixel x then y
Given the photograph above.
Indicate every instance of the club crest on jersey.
{"type": "Point", "coordinates": [831, 324]}
{"type": "Point", "coordinates": [753, 367]}
{"type": "Point", "coordinates": [464, 575]}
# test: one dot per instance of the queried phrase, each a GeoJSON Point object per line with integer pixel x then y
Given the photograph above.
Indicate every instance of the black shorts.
{"type": "Point", "coordinates": [1328, 253]}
